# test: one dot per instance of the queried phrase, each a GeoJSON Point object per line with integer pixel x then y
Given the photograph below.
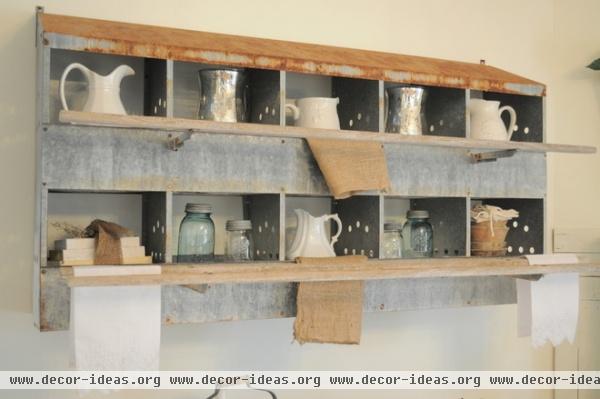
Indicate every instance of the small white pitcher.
{"type": "Point", "coordinates": [315, 112]}
{"type": "Point", "coordinates": [486, 123]}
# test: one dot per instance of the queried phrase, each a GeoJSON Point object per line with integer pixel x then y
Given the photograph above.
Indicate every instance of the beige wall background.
{"type": "Point", "coordinates": [548, 41]}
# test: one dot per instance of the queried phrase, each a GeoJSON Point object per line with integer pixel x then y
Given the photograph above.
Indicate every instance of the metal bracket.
{"type": "Point", "coordinates": [175, 143]}
{"type": "Point", "coordinates": [490, 156]}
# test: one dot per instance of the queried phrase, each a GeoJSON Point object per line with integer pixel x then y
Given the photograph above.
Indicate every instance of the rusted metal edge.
{"type": "Point", "coordinates": [98, 42]}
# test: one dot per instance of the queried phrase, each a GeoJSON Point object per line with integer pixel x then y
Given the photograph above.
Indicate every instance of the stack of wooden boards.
{"type": "Point", "coordinates": [81, 251]}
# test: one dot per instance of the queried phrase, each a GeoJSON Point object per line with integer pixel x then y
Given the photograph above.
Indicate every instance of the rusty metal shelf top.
{"type": "Point", "coordinates": [111, 37]}
{"type": "Point", "coordinates": [255, 272]}
{"type": "Point", "coordinates": [263, 130]}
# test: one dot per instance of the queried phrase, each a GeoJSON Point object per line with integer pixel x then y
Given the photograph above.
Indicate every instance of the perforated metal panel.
{"type": "Point", "coordinates": [359, 103]}
{"type": "Point", "coordinates": [445, 112]}
{"type": "Point", "coordinates": [155, 229]}
{"type": "Point", "coordinates": [530, 119]}
{"type": "Point", "coordinates": [263, 211]}
{"type": "Point", "coordinates": [360, 226]}
{"type": "Point", "coordinates": [526, 233]}
{"type": "Point", "coordinates": [264, 96]}
{"type": "Point", "coordinates": [155, 87]}
{"type": "Point", "coordinates": [448, 218]}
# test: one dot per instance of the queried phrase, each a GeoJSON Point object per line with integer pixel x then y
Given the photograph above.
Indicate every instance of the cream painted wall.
{"type": "Point", "coordinates": [541, 39]}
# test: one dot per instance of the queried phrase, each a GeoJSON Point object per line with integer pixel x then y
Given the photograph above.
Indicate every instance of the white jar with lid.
{"type": "Point", "coordinates": [239, 245]}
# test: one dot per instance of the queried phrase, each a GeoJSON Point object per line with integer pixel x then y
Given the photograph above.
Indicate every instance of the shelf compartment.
{"type": "Point", "coordinates": [448, 218]}
{"type": "Point", "coordinates": [143, 213]}
{"type": "Point", "coordinates": [358, 108]}
{"type": "Point", "coordinates": [263, 92]}
{"type": "Point", "coordinates": [248, 129]}
{"type": "Point", "coordinates": [373, 270]}
{"type": "Point", "coordinates": [361, 221]}
{"type": "Point", "coordinates": [262, 210]}
{"type": "Point", "coordinates": [529, 110]}
{"type": "Point", "coordinates": [526, 233]}
{"type": "Point", "coordinates": [141, 94]}
{"type": "Point", "coordinates": [445, 111]}
{"type": "Point", "coordinates": [60, 31]}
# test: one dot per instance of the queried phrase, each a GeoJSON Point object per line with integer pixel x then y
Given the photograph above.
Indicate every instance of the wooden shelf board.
{"type": "Point", "coordinates": [111, 37]}
{"type": "Point", "coordinates": [260, 272]}
{"type": "Point", "coordinates": [253, 129]}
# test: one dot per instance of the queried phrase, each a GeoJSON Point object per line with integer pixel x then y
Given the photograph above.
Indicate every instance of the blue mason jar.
{"type": "Point", "coordinates": [417, 235]}
{"type": "Point", "coordinates": [196, 234]}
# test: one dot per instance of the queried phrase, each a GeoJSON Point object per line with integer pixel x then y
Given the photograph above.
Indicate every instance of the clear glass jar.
{"type": "Point", "coordinates": [239, 245]}
{"type": "Point", "coordinates": [196, 234]}
{"type": "Point", "coordinates": [392, 241]}
{"type": "Point", "coordinates": [417, 235]}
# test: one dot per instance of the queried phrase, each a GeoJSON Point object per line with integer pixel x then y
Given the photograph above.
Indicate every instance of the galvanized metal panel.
{"type": "Point", "coordinates": [226, 302]}
{"type": "Point", "coordinates": [111, 159]}
{"type": "Point", "coordinates": [155, 87]}
{"type": "Point", "coordinates": [264, 96]}
{"type": "Point", "coordinates": [448, 219]}
{"type": "Point", "coordinates": [155, 232]}
{"type": "Point", "coordinates": [360, 226]}
{"type": "Point", "coordinates": [359, 103]}
{"type": "Point", "coordinates": [445, 112]}
{"type": "Point", "coordinates": [264, 212]}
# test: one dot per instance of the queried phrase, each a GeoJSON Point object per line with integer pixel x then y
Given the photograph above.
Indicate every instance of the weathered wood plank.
{"type": "Point", "coordinates": [262, 272]}
{"type": "Point", "coordinates": [84, 34]}
{"type": "Point", "coordinates": [250, 129]}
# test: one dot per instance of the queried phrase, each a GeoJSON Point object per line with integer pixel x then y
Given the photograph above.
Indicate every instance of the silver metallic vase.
{"type": "Point", "coordinates": [223, 95]}
{"type": "Point", "coordinates": [405, 110]}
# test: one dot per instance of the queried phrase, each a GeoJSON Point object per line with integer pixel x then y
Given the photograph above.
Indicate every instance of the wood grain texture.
{"type": "Point", "coordinates": [61, 31]}
{"type": "Point", "coordinates": [250, 129]}
{"type": "Point", "coordinates": [181, 274]}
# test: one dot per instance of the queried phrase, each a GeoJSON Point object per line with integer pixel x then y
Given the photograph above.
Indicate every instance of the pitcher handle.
{"type": "Point", "coordinates": [336, 218]}
{"type": "Point", "coordinates": [63, 78]}
{"type": "Point", "coordinates": [513, 118]}
{"type": "Point", "coordinates": [295, 110]}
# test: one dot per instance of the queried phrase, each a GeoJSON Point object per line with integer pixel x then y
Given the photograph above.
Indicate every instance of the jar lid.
{"type": "Point", "coordinates": [233, 225]}
{"type": "Point", "coordinates": [417, 214]}
{"type": "Point", "coordinates": [392, 226]}
{"type": "Point", "coordinates": [198, 208]}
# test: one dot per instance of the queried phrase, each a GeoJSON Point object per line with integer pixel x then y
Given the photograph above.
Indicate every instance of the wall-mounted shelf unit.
{"type": "Point", "coordinates": [263, 169]}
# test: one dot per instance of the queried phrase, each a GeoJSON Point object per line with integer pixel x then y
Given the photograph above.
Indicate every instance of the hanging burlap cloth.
{"type": "Point", "coordinates": [108, 241]}
{"type": "Point", "coordinates": [329, 311]}
{"type": "Point", "coordinates": [351, 166]}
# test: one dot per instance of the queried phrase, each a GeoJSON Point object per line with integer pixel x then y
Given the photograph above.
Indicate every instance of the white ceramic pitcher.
{"type": "Point", "coordinates": [104, 92]}
{"type": "Point", "coordinates": [315, 112]}
{"type": "Point", "coordinates": [311, 238]}
{"type": "Point", "coordinates": [486, 123]}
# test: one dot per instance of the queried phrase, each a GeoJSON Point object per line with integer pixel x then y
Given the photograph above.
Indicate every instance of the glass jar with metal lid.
{"type": "Point", "coordinates": [196, 234]}
{"type": "Point", "coordinates": [417, 235]}
{"type": "Point", "coordinates": [392, 240]}
{"type": "Point", "coordinates": [239, 245]}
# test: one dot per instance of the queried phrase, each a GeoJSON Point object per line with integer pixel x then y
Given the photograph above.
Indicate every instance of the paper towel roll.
{"type": "Point", "coordinates": [116, 328]}
{"type": "Point", "coordinates": [548, 309]}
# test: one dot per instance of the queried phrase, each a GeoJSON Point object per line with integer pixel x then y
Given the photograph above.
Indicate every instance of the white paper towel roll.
{"type": "Point", "coordinates": [116, 328]}
{"type": "Point", "coordinates": [548, 309]}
